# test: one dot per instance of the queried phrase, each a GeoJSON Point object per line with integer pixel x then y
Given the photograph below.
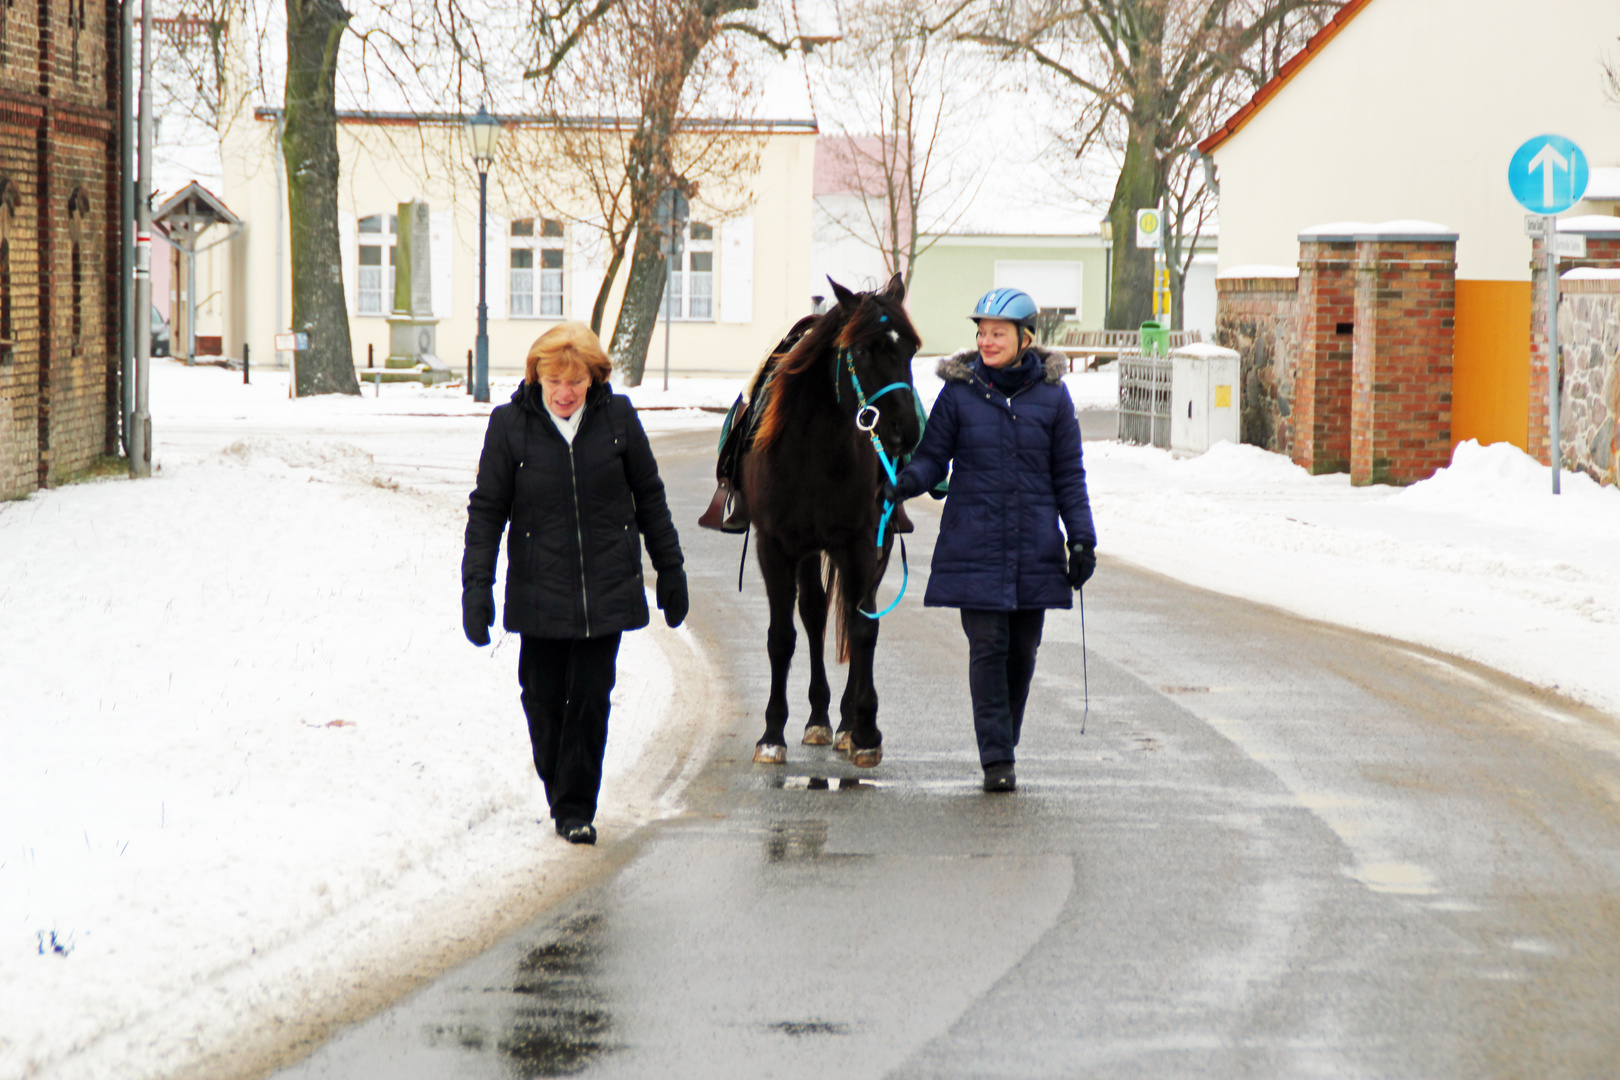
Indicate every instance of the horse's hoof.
{"type": "Point", "coordinates": [842, 745]}
{"type": "Point", "coordinates": [818, 735]}
{"type": "Point", "coordinates": [765, 754]}
{"type": "Point", "coordinates": [866, 759]}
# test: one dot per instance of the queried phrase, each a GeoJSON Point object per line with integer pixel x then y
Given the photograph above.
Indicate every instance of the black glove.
{"type": "Point", "coordinates": [1082, 564]}
{"type": "Point", "coordinates": [477, 612]}
{"type": "Point", "coordinates": [672, 598]}
{"type": "Point", "coordinates": [898, 490]}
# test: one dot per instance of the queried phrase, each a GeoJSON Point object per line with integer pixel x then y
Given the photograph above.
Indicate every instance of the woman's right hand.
{"type": "Point", "coordinates": [477, 612]}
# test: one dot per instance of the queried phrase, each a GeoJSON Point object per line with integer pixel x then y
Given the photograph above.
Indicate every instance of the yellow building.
{"type": "Point", "coordinates": [739, 283]}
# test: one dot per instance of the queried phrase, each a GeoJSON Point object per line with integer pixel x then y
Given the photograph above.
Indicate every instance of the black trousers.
{"type": "Point", "coordinates": [567, 683]}
{"type": "Point", "coordinates": [1001, 662]}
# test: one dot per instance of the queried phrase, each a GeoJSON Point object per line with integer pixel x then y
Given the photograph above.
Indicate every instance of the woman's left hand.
{"type": "Point", "coordinates": [672, 598]}
{"type": "Point", "coordinates": [1082, 564]}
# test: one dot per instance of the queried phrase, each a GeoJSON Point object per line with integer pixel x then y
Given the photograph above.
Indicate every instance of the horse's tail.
{"type": "Point", "coordinates": [844, 609]}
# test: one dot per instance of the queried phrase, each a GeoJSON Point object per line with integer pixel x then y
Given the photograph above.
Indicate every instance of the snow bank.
{"type": "Point", "coordinates": [1481, 560]}
{"type": "Point", "coordinates": [249, 755]}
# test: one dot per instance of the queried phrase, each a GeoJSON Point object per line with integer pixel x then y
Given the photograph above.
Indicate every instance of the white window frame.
{"type": "Point", "coordinates": [540, 289]}
{"type": "Point", "coordinates": [690, 295]}
{"type": "Point", "coordinates": [388, 239]}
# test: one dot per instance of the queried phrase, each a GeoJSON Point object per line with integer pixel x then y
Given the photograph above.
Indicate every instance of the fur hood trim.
{"type": "Point", "coordinates": [958, 367]}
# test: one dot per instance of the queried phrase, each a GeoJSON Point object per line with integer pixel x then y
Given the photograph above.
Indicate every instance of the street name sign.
{"type": "Point", "coordinates": [1569, 245]}
{"type": "Point", "coordinates": [1548, 174]}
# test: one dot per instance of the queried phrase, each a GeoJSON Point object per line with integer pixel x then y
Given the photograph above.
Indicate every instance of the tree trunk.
{"type": "Point", "coordinates": [1130, 299]}
{"type": "Point", "coordinates": [309, 147]}
{"type": "Point", "coordinates": [599, 311]}
{"type": "Point", "coordinates": [638, 314]}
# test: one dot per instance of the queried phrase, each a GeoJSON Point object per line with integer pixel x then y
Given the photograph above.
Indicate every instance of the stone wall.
{"type": "Point", "coordinates": [1602, 253]}
{"type": "Point", "coordinates": [1256, 317]}
{"type": "Point", "coordinates": [1589, 341]}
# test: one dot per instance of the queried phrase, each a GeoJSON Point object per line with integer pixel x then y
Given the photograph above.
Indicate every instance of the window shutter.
{"type": "Point", "coordinates": [737, 270]}
{"type": "Point", "coordinates": [350, 255]}
{"type": "Point", "coordinates": [494, 269]}
{"type": "Point", "coordinates": [441, 249]}
{"type": "Point", "coordinates": [586, 264]}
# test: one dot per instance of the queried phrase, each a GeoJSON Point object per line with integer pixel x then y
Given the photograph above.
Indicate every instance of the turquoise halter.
{"type": "Point", "coordinates": [866, 419]}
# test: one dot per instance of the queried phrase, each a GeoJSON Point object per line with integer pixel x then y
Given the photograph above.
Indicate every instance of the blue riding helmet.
{"type": "Point", "coordinates": [1012, 305]}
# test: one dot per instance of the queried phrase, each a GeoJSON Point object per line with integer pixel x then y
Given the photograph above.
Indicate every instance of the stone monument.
{"type": "Point", "coordinates": [412, 329]}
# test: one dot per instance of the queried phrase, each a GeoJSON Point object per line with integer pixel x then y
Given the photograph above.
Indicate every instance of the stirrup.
{"type": "Point", "coordinates": [726, 512]}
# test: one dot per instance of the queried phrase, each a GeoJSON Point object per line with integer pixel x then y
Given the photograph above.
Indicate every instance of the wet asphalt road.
{"type": "Point", "coordinates": [1279, 850]}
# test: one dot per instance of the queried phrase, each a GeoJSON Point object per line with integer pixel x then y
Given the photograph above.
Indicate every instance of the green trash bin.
{"type": "Point", "coordinates": [1155, 339]}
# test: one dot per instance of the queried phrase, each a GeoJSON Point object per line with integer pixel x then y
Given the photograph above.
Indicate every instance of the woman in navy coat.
{"type": "Point", "coordinates": [1004, 426]}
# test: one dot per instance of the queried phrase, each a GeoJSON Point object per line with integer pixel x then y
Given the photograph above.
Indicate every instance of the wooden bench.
{"type": "Point", "coordinates": [1099, 347]}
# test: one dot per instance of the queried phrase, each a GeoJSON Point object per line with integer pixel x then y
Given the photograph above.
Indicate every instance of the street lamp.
{"type": "Point", "coordinates": [483, 133]}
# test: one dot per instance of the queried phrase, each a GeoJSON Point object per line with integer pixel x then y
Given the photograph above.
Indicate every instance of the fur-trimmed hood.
{"type": "Point", "coordinates": [958, 367]}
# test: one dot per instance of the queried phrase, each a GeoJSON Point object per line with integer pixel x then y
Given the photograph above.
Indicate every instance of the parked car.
{"type": "Point", "coordinates": [160, 333]}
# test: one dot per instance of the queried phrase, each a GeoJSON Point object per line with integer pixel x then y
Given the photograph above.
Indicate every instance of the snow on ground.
{"type": "Point", "coordinates": [251, 765]}
{"type": "Point", "coordinates": [248, 751]}
{"type": "Point", "coordinates": [1481, 560]}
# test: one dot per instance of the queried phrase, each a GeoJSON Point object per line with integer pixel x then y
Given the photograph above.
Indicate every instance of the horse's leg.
{"type": "Point", "coordinates": [813, 614]}
{"type": "Point", "coordinates": [858, 573]}
{"type": "Point", "coordinates": [778, 570]}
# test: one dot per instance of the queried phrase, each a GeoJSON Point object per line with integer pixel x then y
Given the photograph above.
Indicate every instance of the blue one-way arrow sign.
{"type": "Point", "coordinates": [1548, 174]}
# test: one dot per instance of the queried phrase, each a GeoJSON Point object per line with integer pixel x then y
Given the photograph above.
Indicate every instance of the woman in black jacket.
{"type": "Point", "coordinates": [568, 473]}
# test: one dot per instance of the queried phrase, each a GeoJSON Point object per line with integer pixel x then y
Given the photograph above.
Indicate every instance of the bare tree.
{"type": "Point", "coordinates": [1146, 74]}
{"type": "Point", "coordinates": [894, 89]}
{"type": "Point", "coordinates": [673, 36]}
{"type": "Point", "coordinates": [593, 107]}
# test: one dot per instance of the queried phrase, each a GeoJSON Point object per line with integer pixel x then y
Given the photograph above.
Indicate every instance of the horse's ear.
{"type": "Point", "coordinates": [846, 299]}
{"type": "Point", "coordinates": [896, 289]}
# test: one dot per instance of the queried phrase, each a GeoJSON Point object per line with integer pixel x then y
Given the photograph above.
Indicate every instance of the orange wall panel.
{"type": "Point", "coordinates": [1490, 381]}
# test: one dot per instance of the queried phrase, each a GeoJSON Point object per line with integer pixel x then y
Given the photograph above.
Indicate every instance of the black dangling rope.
{"type": "Point", "coordinates": [742, 562]}
{"type": "Point", "coordinates": [1085, 675]}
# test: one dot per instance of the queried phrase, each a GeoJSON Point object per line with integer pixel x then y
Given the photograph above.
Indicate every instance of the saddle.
{"type": "Point", "coordinates": [728, 510]}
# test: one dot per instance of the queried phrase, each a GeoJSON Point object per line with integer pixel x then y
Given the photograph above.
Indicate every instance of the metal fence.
{"type": "Point", "coordinates": [1144, 399]}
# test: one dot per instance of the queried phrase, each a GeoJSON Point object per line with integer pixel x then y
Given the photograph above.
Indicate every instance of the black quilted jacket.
{"type": "Point", "coordinates": [575, 517]}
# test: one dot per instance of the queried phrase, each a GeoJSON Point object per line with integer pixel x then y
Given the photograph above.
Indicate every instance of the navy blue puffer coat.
{"type": "Point", "coordinates": [1017, 472]}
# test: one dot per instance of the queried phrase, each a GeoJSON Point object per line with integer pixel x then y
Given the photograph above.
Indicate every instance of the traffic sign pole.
{"type": "Point", "coordinates": [1548, 175]}
{"type": "Point", "coordinates": [1549, 226]}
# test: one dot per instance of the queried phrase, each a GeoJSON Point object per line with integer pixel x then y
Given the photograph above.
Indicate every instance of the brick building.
{"type": "Point", "coordinates": [59, 240]}
{"type": "Point", "coordinates": [1401, 110]}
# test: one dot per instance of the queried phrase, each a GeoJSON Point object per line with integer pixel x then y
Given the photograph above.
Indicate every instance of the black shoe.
{"type": "Point", "coordinates": [576, 831]}
{"type": "Point", "coordinates": [1000, 777]}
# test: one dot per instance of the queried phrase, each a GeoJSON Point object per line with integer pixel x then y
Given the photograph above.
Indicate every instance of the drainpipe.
{"type": "Point", "coordinates": [126, 217]}
{"type": "Point", "coordinates": [280, 163]}
{"type": "Point", "coordinates": [1209, 171]}
{"type": "Point", "coordinates": [140, 457]}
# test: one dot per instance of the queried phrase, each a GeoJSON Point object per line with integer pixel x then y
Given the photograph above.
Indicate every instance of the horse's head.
{"type": "Point", "coordinates": [876, 342]}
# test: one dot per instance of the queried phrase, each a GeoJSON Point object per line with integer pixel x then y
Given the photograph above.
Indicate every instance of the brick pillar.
{"type": "Point", "coordinates": [1602, 252]}
{"type": "Point", "coordinates": [1400, 407]}
{"type": "Point", "coordinates": [1255, 316]}
{"type": "Point", "coordinates": [1327, 317]}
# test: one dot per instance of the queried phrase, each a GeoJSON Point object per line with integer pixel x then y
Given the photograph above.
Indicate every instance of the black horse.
{"type": "Point", "coordinates": [810, 480]}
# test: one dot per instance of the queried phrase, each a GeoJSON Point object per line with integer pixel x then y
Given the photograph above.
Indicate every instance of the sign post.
{"type": "Point", "coordinates": [1548, 175]}
{"type": "Point", "coordinates": [671, 214]}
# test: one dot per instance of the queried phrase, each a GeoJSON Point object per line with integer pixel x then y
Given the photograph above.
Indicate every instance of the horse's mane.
{"type": "Point", "coordinates": [845, 325]}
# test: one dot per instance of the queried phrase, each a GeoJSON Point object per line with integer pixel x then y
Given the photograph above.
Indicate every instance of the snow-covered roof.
{"type": "Point", "coordinates": [1589, 273]}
